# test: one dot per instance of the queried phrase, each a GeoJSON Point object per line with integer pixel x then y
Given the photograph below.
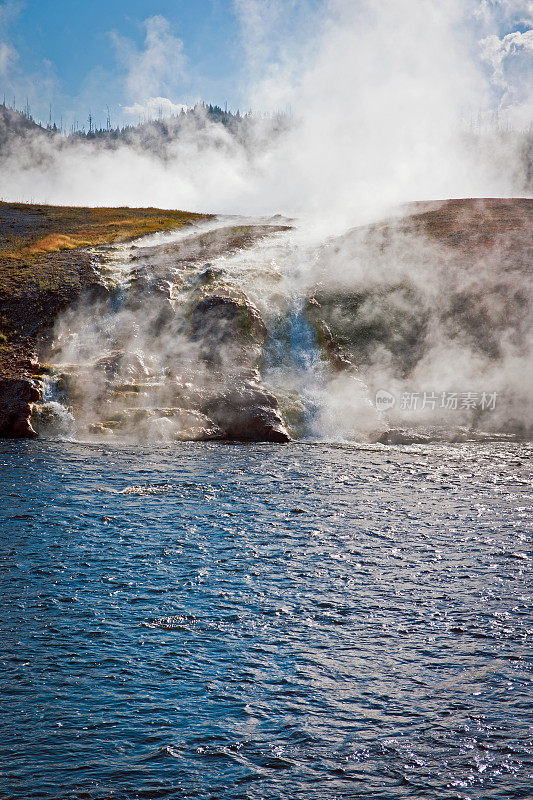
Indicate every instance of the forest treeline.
{"type": "Point", "coordinates": [19, 122]}
{"type": "Point", "coordinates": [206, 126]}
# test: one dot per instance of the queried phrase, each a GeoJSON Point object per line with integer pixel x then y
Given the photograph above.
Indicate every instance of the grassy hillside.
{"type": "Point", "coordinates": [44, 265]}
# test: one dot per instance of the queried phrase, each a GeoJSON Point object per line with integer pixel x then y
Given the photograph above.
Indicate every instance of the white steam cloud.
{"type": "Point", "coordinates": [379, 105]}
{"type": "Point", "coordinates": [155, 107]}
{"type": "Point", "coordinates": [159, 66]}
{"type": "Point", "coordinates": [380, 102]}
{"type": "Point", "coordinates": [380, 95]}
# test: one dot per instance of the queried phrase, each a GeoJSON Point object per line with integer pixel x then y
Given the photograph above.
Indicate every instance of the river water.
{"type": "Point", "coordinates": [265, 622]}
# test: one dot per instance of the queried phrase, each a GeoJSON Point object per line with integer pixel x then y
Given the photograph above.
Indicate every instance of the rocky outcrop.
{"type": "Point", "coordinates": [120, 362]}
{"type": "Point", "coordinates": [231, 334]}
{"type": "Point", "coordinates": [441, 295]}
{"type": "Point", "coordinates": [173, 356]}
{"type": "Point", "coordinates": [16, 398]}
{"type": "Point", "coordinates": [230, 331]}
{"type": "Point", "coordinates": [247, 412]}
{"type": "Point", "coordinates": [45, 270]}
{"type": "Point", "coordinates": [221, 318]}
{"type": "Point", "coordinates": [158, 341]}
{"type": "Point", "coordinates": [178, 424]}
{"type": "Point", "coordinates": [457, 269]}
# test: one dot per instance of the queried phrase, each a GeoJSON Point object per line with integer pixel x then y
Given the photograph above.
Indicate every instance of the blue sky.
{"type": "Point", "coordinates": [72, 51]}
{"type": "Point", "coordinates": [137, 56]}
{"type": "Point", "coordinates": [75, 35]}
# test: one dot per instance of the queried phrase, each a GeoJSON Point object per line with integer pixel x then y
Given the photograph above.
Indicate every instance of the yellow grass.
{"type": "Point", "coordinates": [43, 266]}
{"type": "Point", "coordinates": [49, 229]}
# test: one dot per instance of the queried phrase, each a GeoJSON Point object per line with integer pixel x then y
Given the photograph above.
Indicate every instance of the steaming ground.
{"type": "Point", "coordinates": [173, 351]}
{"type": "Point", "coordinates": [390, 101]}
{"type": "Point", "coordinates": [433, 308]}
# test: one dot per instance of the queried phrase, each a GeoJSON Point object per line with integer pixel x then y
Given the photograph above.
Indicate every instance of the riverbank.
{"type": "Point", "coordinates": [53, 259]}
{"type": "Point", "coordinates": [435, 276]}
{"type": "Point", "coordinates": [45, 266]}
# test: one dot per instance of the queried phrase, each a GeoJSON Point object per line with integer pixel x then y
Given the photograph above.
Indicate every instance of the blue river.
{"type": "Point", "coordinates": [222, 621]}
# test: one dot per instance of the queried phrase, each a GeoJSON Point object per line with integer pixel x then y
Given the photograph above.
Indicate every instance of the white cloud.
{"type": "Point", "coordinates": [511, 62]}
{"type": "Point", "coordinates": [154, 107]}
{"type": "Point", "coordinates": [496, 51]}
{"type": "Point", "coordinates": [159, 67]}
{"type": "Point", "coordinates": [502, 13]}
{"type": "Point", "coordinates": [8, 55]}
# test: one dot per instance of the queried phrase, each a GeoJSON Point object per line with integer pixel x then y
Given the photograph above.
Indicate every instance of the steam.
{"type": "Point", "coordinates": [153, 108]}
{"type": "Point", "coordinates": [380, 101]}
{"type": "Point", "coordinates": [441, 329]}
{"type": "Point", "coordinates": [389, 101]}
{"type": "Point", "coordinates": [161, 65]}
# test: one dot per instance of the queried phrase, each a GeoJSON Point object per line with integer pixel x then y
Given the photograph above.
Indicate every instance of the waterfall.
{"type": "Point", "coordinates": [135, 370]}
{"type": "Point", "coordinates": [52, 419]}
{"type": "Point", "coordinates": [295, 369]}
{"type": "Point", "coordinates": [319, 403]}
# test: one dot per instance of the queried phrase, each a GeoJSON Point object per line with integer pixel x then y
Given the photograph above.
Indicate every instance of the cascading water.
{"type": "Point", "coordinates": [52, 418]}
{"type": "Point", "coordinates": [294, 368]}
{"type": "Point", "coordinates": [317, 402]}
{"type": "Point", "coordinates": [320, 404]}
{"type": "Point", "coordinates": [134, 369]}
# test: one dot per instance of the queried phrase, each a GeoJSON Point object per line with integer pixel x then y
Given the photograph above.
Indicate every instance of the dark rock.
{"type": "Point", "coordinates": [336, 355]}
{"type": "Point", "coordinates": [16, 397]}
{"type": "Point", "coordinates": [146, 286]}
{"type": "Point", "coordinates": [229, 331]}
{"type": "Point", "coordinates": [96, 292]}
{"type": "Point", "coordinates": [220, 318]}
{"type": "Point", "coordinates": [398, 436]}
{"type": "Point", "coordinates": [248, 413]}
{"type": "Point", "coordinates": [121, 362]}
{"type": "Point", "coordinates": [209, 274]}
{"type": "Point", "coordinates": [162, 318]}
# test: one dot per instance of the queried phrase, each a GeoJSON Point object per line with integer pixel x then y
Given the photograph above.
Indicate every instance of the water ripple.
{"type": "Point", "coordinates": [234, 622]}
